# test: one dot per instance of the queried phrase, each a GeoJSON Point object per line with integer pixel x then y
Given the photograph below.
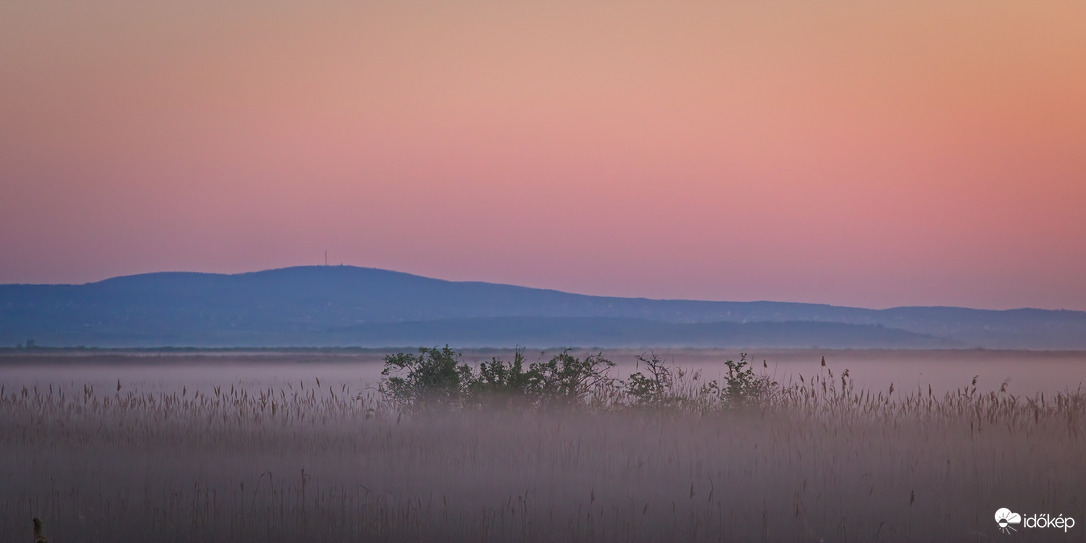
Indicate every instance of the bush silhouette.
{"type": "Point", "coordinates": [437, 377]}
{"type": "Point", "coordinates": [434, 376]}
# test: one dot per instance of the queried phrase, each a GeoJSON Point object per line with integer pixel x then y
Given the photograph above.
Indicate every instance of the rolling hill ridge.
{"type": "Point", "coordinates": [351, 306]}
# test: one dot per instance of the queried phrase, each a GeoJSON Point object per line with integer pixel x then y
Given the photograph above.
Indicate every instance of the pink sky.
{"type": "Point", "coordinates": [853, 153]}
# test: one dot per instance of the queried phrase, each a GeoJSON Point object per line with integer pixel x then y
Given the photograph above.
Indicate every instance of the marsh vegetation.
{"type": "Point", "coordinates": [560, 449]}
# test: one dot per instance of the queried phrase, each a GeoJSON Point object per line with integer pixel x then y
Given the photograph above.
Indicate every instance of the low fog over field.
{"type": "Point", "coordinates": [303, 447]}
{"type": "Point", "coordinates": [1026, 372]}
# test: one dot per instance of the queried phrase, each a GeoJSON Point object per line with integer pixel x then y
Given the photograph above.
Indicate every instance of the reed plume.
{"type": "Point", "coordinates": [38, 537]}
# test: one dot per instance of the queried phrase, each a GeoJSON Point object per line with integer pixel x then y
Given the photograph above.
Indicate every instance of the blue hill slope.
{"type": "Point", "coordinates": [344, 305]}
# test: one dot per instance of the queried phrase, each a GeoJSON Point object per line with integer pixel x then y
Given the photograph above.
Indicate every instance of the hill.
{"type": "Point", "coordinates": [345, 305]}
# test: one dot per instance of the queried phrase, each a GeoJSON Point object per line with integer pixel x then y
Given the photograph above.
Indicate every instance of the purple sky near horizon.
{"type": "Point", "coordinates": [837, 152]}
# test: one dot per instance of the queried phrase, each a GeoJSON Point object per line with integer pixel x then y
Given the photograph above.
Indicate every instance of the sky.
{"type": "Point", "coordinates": [873, 154]}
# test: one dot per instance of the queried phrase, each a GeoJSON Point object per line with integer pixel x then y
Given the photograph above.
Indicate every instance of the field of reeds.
{"type": "Point", "coordinates": [669, 459]}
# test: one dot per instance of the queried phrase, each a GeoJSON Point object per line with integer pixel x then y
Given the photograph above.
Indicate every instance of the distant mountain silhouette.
{"type": "Point", "coordinates": [345, 305]}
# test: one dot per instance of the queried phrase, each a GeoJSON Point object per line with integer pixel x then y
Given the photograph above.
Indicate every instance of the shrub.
{"type": "Point", "coordinates": [655, 389]}
{"type": "Point", "coordinates": [742, 388]}
{"type": "Point", "coordinates": [497, 378]}
{"type": "Point", "coordinates": [568, 379]}
{"type": "Point", "coordinates": [434, 376]}
{"type": "Point", "coordinates": [437, 377]}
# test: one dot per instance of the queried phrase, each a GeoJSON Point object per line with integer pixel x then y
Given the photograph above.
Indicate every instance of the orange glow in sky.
{"type": "Point", "coordinates": [843, 152]}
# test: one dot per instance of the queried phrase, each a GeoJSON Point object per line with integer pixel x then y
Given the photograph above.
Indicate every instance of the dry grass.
{"type": "Point", "coordinates": [822, 461]}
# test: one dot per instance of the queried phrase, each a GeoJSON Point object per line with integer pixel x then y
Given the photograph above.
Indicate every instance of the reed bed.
{"type": "Point", "coordinates": [818, 460]}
